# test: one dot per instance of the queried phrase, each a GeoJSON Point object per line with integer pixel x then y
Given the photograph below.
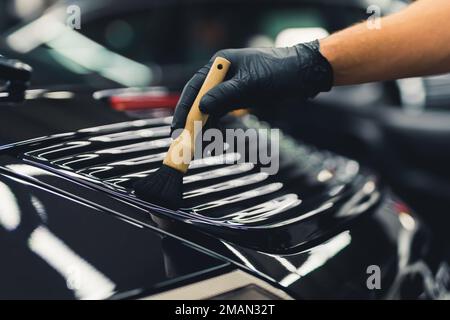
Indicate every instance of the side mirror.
{"type": "Point", "coordinates": [16, 77]}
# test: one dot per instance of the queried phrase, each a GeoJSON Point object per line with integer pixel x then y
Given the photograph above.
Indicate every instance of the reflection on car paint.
{"type": "Point", "coordinates": [265, 227]}
{"type": "Point", "coordinates": [219, 193]}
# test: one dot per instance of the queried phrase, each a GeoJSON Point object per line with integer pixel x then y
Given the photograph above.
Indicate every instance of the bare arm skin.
{"type": "Point", "coordinates": [413, 42]}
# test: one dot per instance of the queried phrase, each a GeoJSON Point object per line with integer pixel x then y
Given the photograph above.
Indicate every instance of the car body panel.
{"type": "Point", "coordinates": [332, 263]}
{"type": "Point", "coordinates": [70, 229]}
{"type": "Point", "coordinates": [55, 247]}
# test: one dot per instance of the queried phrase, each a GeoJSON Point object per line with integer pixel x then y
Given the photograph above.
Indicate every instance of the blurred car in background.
{"type": "Point", "coordinates": [171, 38]}
{"type": "Point", "coordinates": [13, 12]}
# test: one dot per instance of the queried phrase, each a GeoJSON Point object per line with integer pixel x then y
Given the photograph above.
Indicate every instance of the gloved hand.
{"type": "Point", "coordinates": [259, 77]}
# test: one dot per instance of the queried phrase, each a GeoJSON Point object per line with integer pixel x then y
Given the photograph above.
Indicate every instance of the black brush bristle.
{"type": "Point", "coordinates": [163, 187]}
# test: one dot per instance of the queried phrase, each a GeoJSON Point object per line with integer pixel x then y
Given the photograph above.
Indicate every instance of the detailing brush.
{"type": "Point", "coordinates": [165, 186]}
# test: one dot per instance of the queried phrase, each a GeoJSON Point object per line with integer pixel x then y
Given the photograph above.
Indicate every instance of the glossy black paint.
{"type": "Point", "coordinates": [333, 267]}
{"type": "Point", "coordinates": [306, 200]}
{"type": "Point", "coordinates": [16, 76]}
{"type": "Point", "coordinates": [54, 247]}
{"type": "Point", "coordinates": [92, 210]}
{"type": "Point", "coordinates": [329, 263]}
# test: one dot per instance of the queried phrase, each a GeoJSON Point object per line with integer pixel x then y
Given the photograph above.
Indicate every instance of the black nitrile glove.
{"type": "Point", "coordinates": [259, 77]}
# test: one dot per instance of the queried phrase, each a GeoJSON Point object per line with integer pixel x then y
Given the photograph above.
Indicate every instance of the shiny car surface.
{"type": "Point", "coordinates": [72, 228]}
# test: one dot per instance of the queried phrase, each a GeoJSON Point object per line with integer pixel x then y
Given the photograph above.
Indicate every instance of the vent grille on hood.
{"type": "Point", "coordinates": [312, 191]}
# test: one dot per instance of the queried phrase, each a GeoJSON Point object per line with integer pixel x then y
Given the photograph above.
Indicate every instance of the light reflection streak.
{"type": "Point", "coordinates": [26, 170]}
{"type": "Point", "coordinates": [407, 221]}
{"type": "Point", "coordinates": [40, 209]}
{"type": "Point", "coordinates": [227, 185]}
{"type": "Point", "coordinates": [221, 172]}
{"type": "Point", "coordinates": [265, 210]}
{"type": "Point", "coordinates": [254, 193]}
{"type": "Point", "coordinates": [240, 256]}
{"type": "Point", "coordinates": [318, 257]}
{"type": "Point", "coordinates": [77, 52]}
{"type": "Point", "coordinates": [81, 277]}
{"type": "Point", "coordinates": [358, 202]}
{"type": "Point", "coordinates": [9, 210]}
{"type": "Point", "coordinates": [128, 124]}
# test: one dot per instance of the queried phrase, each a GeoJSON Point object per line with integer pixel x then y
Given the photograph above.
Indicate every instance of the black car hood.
{"type": "Point", "coordinates": [78, 204]}
{"type": "Point", "coordinates": [54, 247]}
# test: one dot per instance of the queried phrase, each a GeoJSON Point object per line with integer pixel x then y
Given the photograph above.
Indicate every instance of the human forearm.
{"type": "Point", "coordinates": [413, 42]}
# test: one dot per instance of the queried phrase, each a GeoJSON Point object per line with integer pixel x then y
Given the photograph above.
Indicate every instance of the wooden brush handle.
{"type": "Point", "coordinates": [182, 150]}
